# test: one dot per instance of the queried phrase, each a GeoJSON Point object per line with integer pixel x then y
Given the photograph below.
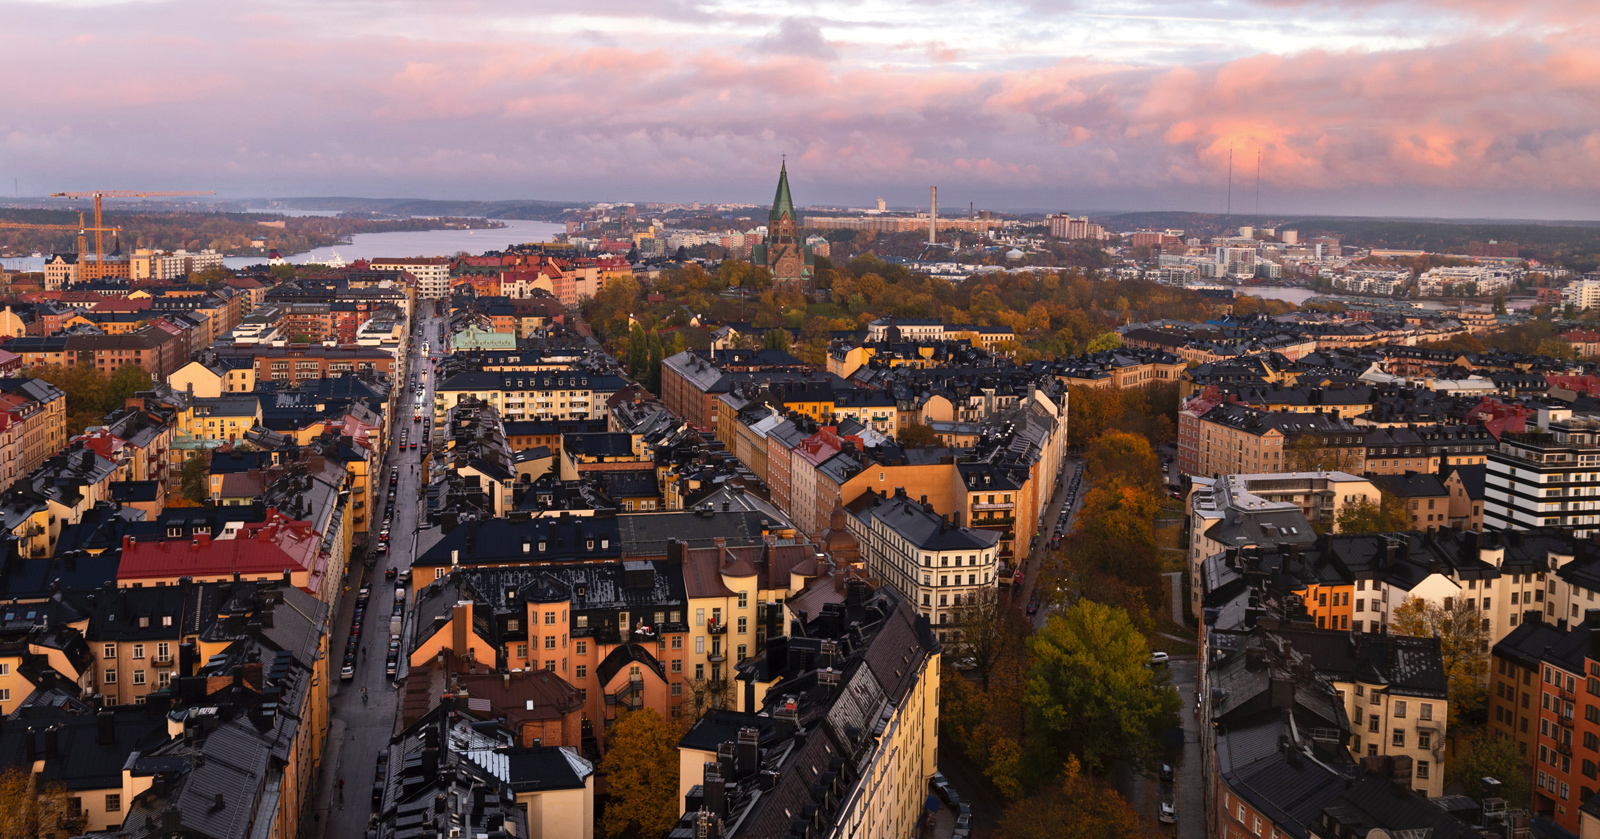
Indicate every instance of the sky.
{"type": "Point", "coordinates": [1456, 108]}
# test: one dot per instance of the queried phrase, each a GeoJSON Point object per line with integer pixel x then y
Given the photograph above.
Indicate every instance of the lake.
{"type": "Point", "coordinates": [421, 243]}
{"type": "Point", "coordinates": [1299, 296]}
{"type": "Point", "coordinates": [398, 244]}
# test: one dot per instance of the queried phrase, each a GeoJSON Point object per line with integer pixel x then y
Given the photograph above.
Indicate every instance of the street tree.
{"type": "Point", "coordinates": [1386, 516]}
{"type": "Point", "coordinates": [1079, 807]}
{"type": "Point", "coordinates": [1463, 646]}
{"type": "Point", "coordinates": [1090, 692]}
{"type": "Point", "coordinates": [641, 769]}
{"type": "Point", "coordinates": [29, 811]}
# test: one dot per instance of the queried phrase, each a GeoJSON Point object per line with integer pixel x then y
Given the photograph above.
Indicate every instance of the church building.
{"type": "Point", "coordinates": [784, 252]}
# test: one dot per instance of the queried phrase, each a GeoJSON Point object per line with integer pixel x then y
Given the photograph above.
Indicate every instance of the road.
{"type": "Point", "coordinates": [1022, 595]}
{"type": "Point", "coordinates": [1186, 790]}
{"type": "Point", "coordinates": [360, 728]}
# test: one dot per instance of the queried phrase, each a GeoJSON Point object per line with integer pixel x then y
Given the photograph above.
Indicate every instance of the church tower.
{"type": "Point", "coordinates": [784, 252]}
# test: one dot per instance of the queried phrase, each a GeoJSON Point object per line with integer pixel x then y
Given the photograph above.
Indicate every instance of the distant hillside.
{"type": "Point", "coordinates": [526, 210]}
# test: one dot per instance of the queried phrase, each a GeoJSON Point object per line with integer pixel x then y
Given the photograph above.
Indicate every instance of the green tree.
{"type": "Point", "coordinates": [641, 769]}
{"type": "Point", "coordinates": [1079, 807]}
{"type": "Point", "coordinates": [1386, 516]}
{"type": "Point", "coordinates": [1104, 341]}
{"type": "Point", "coordinates": [1499, 304]}
{"type": "Point", "coordinates": [653, 361]}
{"type": "Point", "coordinates": [1556, 348]}
{"type": "Point", "coordinates": [196, 478]}
{"type": "Point", "coordinates": [1485, 755]}
{"type": "Point", "coordinates": [915, 435]}
{"type": "Point", "coordinates": [1463, 646]}
{"type": "Point", "coordinates": [128, 380]}
{"type": "Point", "coordinates": [777, 339]}
{"type": "Point", "coordinates": [638, 353]}
{"type": "Point", "coordinates": [1090, 691]}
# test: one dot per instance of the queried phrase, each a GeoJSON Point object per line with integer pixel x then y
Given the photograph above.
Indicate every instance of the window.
{"type": "Point", "coordinates": [549, 642]}
{"type": "Point", "coordinates": [700, 645]}
{"type": "Point", "coordinates": [677, 642]}
{"type": "Point", "coordinates": [550, 618]}
{"type": "Point", "coordinates": [582, 671]}
{"type": "Point", "coordinates": [677, 666]}
{"type": "Point", "coordinates": [744, 600]}
{"type": "Point", "coordinates": [138, 677]}
{"type": "Point", "coordinates": [110, 676]}
{"type": "Point", "coordinates": [522, 651]}
{"type": "Point", "coordinates": [550, 665]}
{"type": "Point", "coordinates": [513, 625]}
{"type": "Point", "coordinates": [109, 651]}
{"type": "Point", "coordinates": [163, 651]}
{"type": "Point", "coordinates": [583, 648]}
{"type": "Point", "coordinates": [1400, 709]}
{"type": "Point", "coordinates": [742, 654]}
{"type": "Point", "coordinates": [1372, 724]}
{"type": "Point", "coordinates": [699, 617]}
{"type": "Point", "coordinates": [1424, 739]}
{"type": "Point", "coordinates": [113, 802]}
{"type": "Point", "coordinates": [744, 625]}
{"type": "Point", "coordinates": [1422, 765]}
{"type": "Point", "coordinates": [699, 671]}
{"type": "Point", "coordinates": [677, 688]}
{"type": "Point", "coordinates": [138, 651]}
{"type": "Point", "coordinates": [1399, 738]}
{"type": "Point", "coordinates": [1425, 710]}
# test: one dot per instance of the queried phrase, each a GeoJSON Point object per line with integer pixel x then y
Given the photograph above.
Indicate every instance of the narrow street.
{"type": "Point", "coordinates": [361, 727]}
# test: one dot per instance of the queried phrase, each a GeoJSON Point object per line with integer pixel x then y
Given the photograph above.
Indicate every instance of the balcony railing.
{"type": "Point", "coordinates": [630, 695]}
{"type": "Point", "coordinates": [717, 656]}
{"type": "Point", "coordinates": [717, 627]}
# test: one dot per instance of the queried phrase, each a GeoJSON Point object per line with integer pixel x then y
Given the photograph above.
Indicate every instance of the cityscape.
{"type": "Point", "coordinates": [1102, 420]}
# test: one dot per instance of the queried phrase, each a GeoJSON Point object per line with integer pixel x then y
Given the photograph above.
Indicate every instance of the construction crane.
{"type": "Point", "coordinates": [99, 230]}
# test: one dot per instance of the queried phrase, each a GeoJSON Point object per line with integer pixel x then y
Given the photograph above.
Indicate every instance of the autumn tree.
{"type": "Point", "coordinates": [1079, 807]}
{"type": "Point", "coordinates": [1485, 755]}
{"type": "Point", "coordinates": [1387, 516]}
{"type": "Point", "coordinates": [915, 435]}
{"type": "Point", "coordinates": [1312, 453]}
{"type": "Point", "coordinates": [1104, 341]}
{"type": "Point", "coordinates": [987, 627]}
{"type": "Point", "coordinates": [1122, 458]}
{"type": "Point", "coordinates": [30, 812]}
{"type": "Point", "coordinates": [641, 769]}
{"type": "Point", "coordinates": [1463, 645]}
{"type": "Point", "coordinates": [1089, 691]}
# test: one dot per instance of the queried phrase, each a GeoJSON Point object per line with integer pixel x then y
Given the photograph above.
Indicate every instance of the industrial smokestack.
{"type": "Point", "coordinates": [933, 217]}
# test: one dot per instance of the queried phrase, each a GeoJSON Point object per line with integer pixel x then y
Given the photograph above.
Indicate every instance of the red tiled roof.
{"type": "Point", "coordinates": [260, 549]}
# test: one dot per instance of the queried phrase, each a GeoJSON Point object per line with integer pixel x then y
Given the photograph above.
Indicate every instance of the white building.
{"type": "Point", "coordinates": [937, 565]}
{"type": "Point", "coordinates": [1546, 480]}
{"type": "Point", "coordinates": [1467, 280]}
{"type": "Point", "coordinates": [432, 273]}
{"type": "Point", "coordinates": [1583, 294]}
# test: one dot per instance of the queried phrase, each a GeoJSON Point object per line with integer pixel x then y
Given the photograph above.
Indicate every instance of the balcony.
{"type": "Point", "coordinates": [717, 627]}
{"type": "Point", "coordinates": [1007, 505]}
{"type": "Point", "coordinates": [716, 656]}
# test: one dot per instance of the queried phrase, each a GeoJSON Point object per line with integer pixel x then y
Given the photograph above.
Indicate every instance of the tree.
{"type": "Point", "coordinates": [777, 339]}
{"type": "Point", "coordinates": [29, 812]}
{"type": "Point", "coordinates": [1090, 692]}
{"type": "Point", "coordinates": [1499, 304]}
{"type": "Point", "coordinates": [196, 478]}
{"type": "Point", "coordinates": [1386, 516]}
{"type": "Point", "coordinates": [641, 768]}
{"type": "Point", "coordinates": [1486, 755]}
{"type": "Point", "coordinates": [1463, 646]}
{"type": "Point", "coordinates": [1104, 341]}
{"type": "Point", "coordinates": [1119, 457]}
{"type": "Point", "coordinates": [638, 353]}
{"type": "Point", "coordinates": [128, 380]}
{"type": "Point", "coordinates": [1307, 453]}
{"type": "Point", "coordinates": [1556, 348]}
{"type": "Point", "coordinates": [915, 435]}
{"type": "Point", "coordinates": [987, 628]}
{"type": "Point", "coordinates": [1078, 808]}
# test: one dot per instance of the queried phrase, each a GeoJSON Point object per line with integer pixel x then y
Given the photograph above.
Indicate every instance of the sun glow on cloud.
{"type": "Point", "coordinates": [1358, 105]}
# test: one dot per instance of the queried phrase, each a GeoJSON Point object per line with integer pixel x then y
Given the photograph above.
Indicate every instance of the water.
{"type": "Point", "coordinates": [399, 244]}
{"type": "Point", "coordinates": [1299, 296]}
{"type": "Point", "coordinates": [421, 243]}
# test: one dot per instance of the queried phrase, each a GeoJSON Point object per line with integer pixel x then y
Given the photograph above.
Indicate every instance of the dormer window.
{"type": "Point", "coordinates": [144, 623]}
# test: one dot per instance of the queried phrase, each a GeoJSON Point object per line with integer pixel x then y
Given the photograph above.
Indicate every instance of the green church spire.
{"type": "Point", "coordinates": [782, 203]}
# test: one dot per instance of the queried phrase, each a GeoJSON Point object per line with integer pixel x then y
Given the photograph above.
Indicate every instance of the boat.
{"type": "Point", "coordinates": [334, 260]}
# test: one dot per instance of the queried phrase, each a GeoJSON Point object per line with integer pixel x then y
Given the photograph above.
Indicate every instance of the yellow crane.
{"type": "Point", "coordinates": [99, 231]}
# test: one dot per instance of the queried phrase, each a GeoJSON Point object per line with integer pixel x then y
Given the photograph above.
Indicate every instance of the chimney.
{"type": "Point", "coordinates": [106, 728]}
{"type": "Point", "coordinates": [460, 621]}
{"type": "Point", "coordinates": [52, 746]}
{"type": "Point", "coordinates": [715, 790]}
{"type": "Point", "coordinates": [748, 753]}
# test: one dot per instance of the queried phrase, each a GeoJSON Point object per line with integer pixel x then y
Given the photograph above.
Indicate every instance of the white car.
{"type": "Point", "coordinates": [1159, 658]}
{"type": "Point", "coordinates": [1168, 814]}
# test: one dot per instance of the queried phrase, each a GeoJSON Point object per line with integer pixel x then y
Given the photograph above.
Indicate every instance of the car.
{"type": "Point", "coordinates": [968, 663]}
{"type": "Point", "coordinates": [389, 574]}
{"type": "Point", "coordinates": [365, 591]}
{"type": "Point", "coordinates": [941, 787]}
{"type": "Point", "coordinates": [1167, 814]}
{"type": "Point", "coordinates": [963, 826]}
{"type": "Point", "coordinates": [1159, 657]}
{"type": "Point", "coordinates": [1166, 772]}
{"type": "Point", "coordinates": [348, 671]}
{"type": "Point", "coordinates": [405, 578]}
{"type": "Point", "coordinates": [1033, 608]}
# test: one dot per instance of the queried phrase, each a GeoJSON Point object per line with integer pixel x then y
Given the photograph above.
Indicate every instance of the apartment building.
{"type": "Point", "coordinates": [1222, 438]}
{"type": "Point", "coordinates": [939, 566]}
{"type": "Point", "coordinates": [292, 366]}
{"type": "Point", "coordinates": [872, 654]}
{"type": "Point", "coordinates": [36, 418]}
{"type": "Point", "coordinates": [1516, 676]}
{"type": "Point", "coordinates": [1391, 689]}
{"type": "Point", "coordinates": [432, 274]}
{"type": "Point", "coordinates": [1546, 479]}
{"type": "Point", "coordinates": [565, 395]}
{"type": "Point", "coordinates": [1274, 509]}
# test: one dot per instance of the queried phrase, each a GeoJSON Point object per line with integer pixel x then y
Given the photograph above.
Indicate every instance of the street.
{"type": "Point", "coordinates": [361, 727]}
{"type": "Point", "coordinates": [1186, 790]}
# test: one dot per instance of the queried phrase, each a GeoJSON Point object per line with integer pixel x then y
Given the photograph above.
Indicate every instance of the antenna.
{"type": "Point", "coordinates": [1230, 181]}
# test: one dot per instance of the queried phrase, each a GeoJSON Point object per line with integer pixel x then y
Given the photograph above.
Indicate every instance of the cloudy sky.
{"type": "Point", "coordinates": [1467, 108]}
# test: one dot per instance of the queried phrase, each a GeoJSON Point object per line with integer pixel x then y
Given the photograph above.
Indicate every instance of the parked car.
{"type": "Point", "coordinates": [1159, 657]}
{"type": "Point", "coordinates": [942, 788]}
{"type": "Point", "coordinates": [348, 671]}
{"type": "Point", "coordinates": [963, 826]}
{"type": "Point", "coordinates": [1167, 814]}
{"type": "Point", "coordinates": [1166, 772]}
{"type": "Point", "coordinates": [1033, 608]}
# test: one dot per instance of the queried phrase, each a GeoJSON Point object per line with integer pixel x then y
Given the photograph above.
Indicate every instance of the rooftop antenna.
{"type": "Point", "coordinates": [1230, 181]}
